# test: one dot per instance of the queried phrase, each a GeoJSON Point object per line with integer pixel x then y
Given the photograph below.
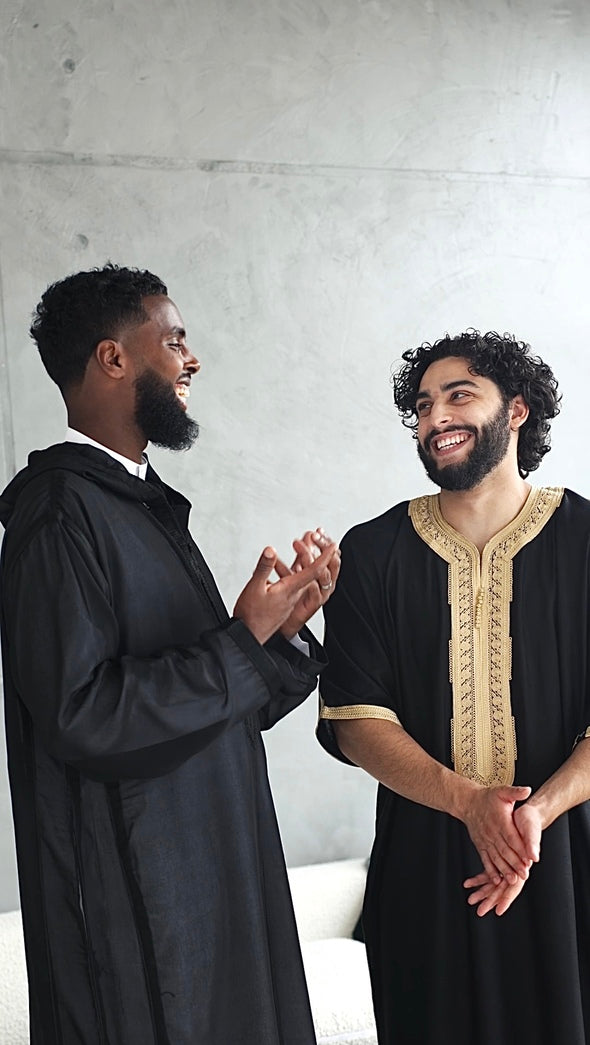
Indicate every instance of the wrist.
{"type": "Point", "coordinates": [291, 627]}
{"type": "Point", "coordinates": [543, 808]}
{"type": "Point", "coordinates": [288, 633]}
{"type": "Point", "coordinates": [462, 794]}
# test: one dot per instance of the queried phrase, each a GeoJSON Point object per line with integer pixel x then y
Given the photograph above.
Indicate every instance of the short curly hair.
{"type": "Point", "coordinates": [77, 312]}
{"type": "Point", "coordinates": [509, 364]}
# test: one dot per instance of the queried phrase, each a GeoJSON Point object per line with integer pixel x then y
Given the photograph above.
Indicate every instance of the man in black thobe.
{"type": "Point", "coordinates": [154, 894]}
{"type": "Point", "coordinates": [459, 676]}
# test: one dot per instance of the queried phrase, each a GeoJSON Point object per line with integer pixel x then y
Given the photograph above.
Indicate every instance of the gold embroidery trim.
{"type": "Point", "coordinates": [354, 711]}
{"type": "Point", "coordinates": [483, 731]}
{"type": "Point", "coordinates": [584, 735]}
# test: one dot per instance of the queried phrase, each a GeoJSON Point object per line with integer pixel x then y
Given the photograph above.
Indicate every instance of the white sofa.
{"type": "Point", "coordinates": [327, 900]}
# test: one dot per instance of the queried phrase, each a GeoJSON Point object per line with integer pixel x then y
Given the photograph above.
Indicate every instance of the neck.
{"type": "Point", "coordinates": [127, 441]}
{"type": "Point", "coordinates": [480, 514]}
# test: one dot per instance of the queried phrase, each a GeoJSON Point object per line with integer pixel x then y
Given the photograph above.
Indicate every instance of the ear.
{"type": "Point", "coordinates": [519, 413]}
{"type": "Point", "coordinates": [111, 358]}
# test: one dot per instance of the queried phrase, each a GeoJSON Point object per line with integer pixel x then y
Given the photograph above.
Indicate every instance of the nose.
{"type": "Point", "coordinates": [191, 363]}
{"type": "Point", "coordinates": [441, 413]}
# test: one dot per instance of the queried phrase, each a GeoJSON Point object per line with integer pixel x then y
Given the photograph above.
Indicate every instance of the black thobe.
{"type": "Point", "coordinates": [413, 601]}
{"type": "Point", "coordinates": [154, 893]}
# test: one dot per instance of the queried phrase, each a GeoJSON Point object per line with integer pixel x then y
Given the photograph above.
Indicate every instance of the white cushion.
{"type": "Point", "coordinates": [340, 992]}
{"type": "Point", "coordinates": [327, 898]}
{"type": "Point", "coordinates": [14, 999]}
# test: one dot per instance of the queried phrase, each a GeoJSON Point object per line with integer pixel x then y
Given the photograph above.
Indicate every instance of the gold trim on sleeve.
{"type": "Point", "coordinates": [354, 711]}
{"type": "Point", "coordinates": [483, 731]}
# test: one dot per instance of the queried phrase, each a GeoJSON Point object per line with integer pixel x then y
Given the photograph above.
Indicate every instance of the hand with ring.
{"type": "Point", "coordinates": [307, 549]}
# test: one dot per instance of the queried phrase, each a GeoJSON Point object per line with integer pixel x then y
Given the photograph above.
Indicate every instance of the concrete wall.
{"type": "Point", "coordinates": [322, 183]}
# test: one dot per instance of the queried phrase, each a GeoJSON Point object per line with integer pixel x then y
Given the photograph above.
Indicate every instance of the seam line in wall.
{"type": "Point", "coordinates": [226, 166]}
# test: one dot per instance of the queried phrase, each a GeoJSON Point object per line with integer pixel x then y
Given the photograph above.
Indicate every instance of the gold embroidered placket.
{"type": "Point", "coordinates": [483, 734]}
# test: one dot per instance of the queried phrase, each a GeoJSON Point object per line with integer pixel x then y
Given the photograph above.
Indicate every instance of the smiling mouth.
{"type": "Point", "coordinates": [447, 444]}
{"type": "Point", "coordinates": [182, 394]}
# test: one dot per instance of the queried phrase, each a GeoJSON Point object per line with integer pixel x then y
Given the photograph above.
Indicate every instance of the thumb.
{"type": "Point", "coordinates": [516, 793]}
{"type": "Point", "coordinates": [266, 563]}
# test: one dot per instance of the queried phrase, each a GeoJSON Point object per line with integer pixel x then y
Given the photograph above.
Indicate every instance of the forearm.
{"type": "Point", "coordinates": [389, 754]}
{"type": "Point", "coordinates": [568, 787]}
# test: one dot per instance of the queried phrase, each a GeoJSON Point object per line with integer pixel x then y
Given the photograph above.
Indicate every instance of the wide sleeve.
{"type": "Point", "coordinates": [111, 715]}
{"type": "Point", "coordinates": [299, 675]}
{"type": "Point", "coordinates": [359, 680]}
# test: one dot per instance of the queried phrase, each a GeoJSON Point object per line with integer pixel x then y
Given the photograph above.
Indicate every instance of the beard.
{"type": "Point", "coordinates": [489, 449]}
{"type": "Point", "coordinates": [160, 416]}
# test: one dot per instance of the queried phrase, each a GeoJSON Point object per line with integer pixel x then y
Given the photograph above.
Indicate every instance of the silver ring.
{"type": "Point", "coordinates": [326, 587]}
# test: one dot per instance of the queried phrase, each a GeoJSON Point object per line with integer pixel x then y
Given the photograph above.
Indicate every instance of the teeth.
{"type": "Point", "coordinates": [451, 440]}
{"type": "Point", "coordinates": [183, 391]}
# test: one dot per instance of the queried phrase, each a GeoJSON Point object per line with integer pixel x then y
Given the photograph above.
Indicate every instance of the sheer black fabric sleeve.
{"type": "Point", "coordinates": [116, 716]}
{"type": "Point", "coordinates": [299, 675]}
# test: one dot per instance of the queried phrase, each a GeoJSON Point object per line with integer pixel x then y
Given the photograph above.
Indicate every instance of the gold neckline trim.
{"type": "Point", "coordinates": [483, 734]}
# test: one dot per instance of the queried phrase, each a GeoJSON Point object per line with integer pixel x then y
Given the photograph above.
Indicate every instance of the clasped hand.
{"type": "Point", "coordinates": [508, 842]}
{"type": "Point", "coordinates": [286, 605]}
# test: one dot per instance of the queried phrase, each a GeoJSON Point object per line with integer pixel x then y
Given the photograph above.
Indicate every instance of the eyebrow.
{"type": "Point", "coordinates": [178, 331]}
{"type": "Point", "coordinates": [447, 387]}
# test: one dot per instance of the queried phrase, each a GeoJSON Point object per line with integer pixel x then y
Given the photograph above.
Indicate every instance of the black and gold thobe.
{"type": "Point", "coordinates": [484, 661]}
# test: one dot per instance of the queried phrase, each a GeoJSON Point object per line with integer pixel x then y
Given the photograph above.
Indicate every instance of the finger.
{"type": "Point", "coordinates": [517, 860]}
{"type": "Point", "coordinates": [334, 566]}
{"type": "Point", "coordinates": [490, 867]}
{"type": "Point", "coordinates": [508, 898]}
{"type": "Point", "coordinates": [306, 551]}
{"type": "Point", "coordinates": [481, 894]}
{"type": "Point", "coordinates": [305, 547]}
{"type": "Point", "coordinates": [320, 538]}
{"type": "Point", "coordinates": [265, 564]}
{"type": "Point", "coordinates": [488, 903]}
{"type": "Point", "coordinates": [325, 584]}
{"type": "Point", "coordinates": [311, 572]}
{"type": "Point", "coordinates": [316, 541]}
{"type": "Point", "coordinates": [477, 880]}
{"type": "Point", "coordinates": [503, 865]}
{"type": "Point", "coordinates": [331, 576]}
{"type": "Point", "coordinates": [489, 898]}
{"type": "Point", "coordinates": [282, 569]}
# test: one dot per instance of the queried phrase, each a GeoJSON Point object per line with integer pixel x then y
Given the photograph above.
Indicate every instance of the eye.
{"type": "Point", "coordinates": [176, 345]}
{"type": "Point", "coordinates": [458, 394]}
{"type": "Point", "coordinates": [422, 408]}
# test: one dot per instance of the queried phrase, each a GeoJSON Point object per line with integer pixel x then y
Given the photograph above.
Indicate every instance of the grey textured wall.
{"type": "Point", "coordinates": [322, 183]}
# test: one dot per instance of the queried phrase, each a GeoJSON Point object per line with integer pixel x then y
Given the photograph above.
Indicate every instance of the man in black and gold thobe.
{"type": "Point", "coordinates": [155, 902]}
{"type": "Point", "coordinates": [459, 677]}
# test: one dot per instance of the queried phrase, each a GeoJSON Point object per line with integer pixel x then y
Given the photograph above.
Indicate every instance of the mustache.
{"type": "Point", "coordinates": [437, 432]}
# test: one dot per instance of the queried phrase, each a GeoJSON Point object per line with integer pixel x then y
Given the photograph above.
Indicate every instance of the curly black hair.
{"type": "Point", "coordinates": [505, 361]}
{"type": "Point", "coordinates": [77, 312]}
